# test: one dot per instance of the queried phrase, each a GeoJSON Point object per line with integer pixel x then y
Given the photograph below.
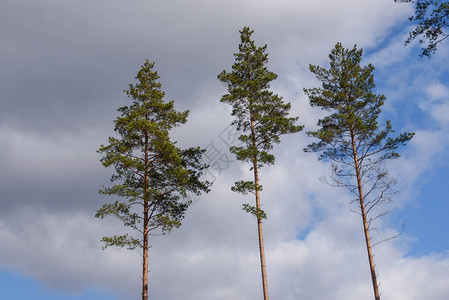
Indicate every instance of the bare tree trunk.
{"type": "Point", "coordinates": [260, 231]}
{"type": "Point", "coordinates": [145, 227]}
{"type": "Point", "coordinates": [365, 221]}
{"type": "Point", "coordinates": [259, 220]}
{"type": "Point", "coordinates": [145, 257]}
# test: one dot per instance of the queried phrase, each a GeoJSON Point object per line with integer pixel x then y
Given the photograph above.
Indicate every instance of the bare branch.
{"type": "Point", "coordinates": [393, 237]}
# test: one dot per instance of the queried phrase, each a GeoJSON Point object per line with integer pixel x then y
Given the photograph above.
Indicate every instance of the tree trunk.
{"type": "Point", "coordinates": [365, 221]}
{"type": "Point", "coordinates": [145, 227]}
{"type": "Point", "coordinates": [260, 231]}
{"type": "Point", "coordinates": [145, 261]}
{"type": "Point", "coordinates": [259, 220]}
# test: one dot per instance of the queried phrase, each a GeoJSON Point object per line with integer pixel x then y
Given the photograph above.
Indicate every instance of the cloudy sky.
{"type": "Point", "coordinates": [64, 65]}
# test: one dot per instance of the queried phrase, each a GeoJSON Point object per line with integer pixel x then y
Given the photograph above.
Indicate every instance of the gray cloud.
{"type": "Point", "coordinates": [64, 66]}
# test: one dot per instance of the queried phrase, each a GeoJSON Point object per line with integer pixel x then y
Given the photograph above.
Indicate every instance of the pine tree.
{"type": "Point", "coordinates": [433, 21]}
{"type": "Point", "coordinates": [154, 175]}
{"type": "Point", "coordinates": [261, 116]}
{"type": "Point", "coordinates": [350, 135]}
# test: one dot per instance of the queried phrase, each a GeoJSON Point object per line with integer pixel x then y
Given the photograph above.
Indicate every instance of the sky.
{"type": "Point", "coordinates": [65, 65]}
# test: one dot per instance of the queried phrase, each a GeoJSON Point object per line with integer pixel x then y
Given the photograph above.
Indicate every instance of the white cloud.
{"type": "Point", "coordinates": [395, 52]}
{"type": "Point", "coordinates": [437, 103]}
{"type": "Point", "coordinates": [437, 91]}
{"type": "Point", "coordinates": [441, 114]}
{"type": "Point", "coordinates": [214, 255]}
{"type": "Point", "coordinates": [46, 245]}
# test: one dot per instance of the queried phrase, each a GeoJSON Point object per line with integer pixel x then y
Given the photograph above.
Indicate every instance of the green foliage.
{"type": "Point", "coordinates": [433, 20]}
{"type": "Point", "coordinates": [245, 187]}
{"type": "Point", "coordinates": [346, 93]}
{"type": "Point", "coordinates": [260, 115]}
{"type": "Point", "coordinates": [121, 241]}
{"type": "Point", "coordinates": [248, 93]}
{"type": "Point", "coordinates": [351, 137]}
{"type": "Point", "coordinates": [152, 174]}
{"type": "Point", "coordinates": [257, 212]}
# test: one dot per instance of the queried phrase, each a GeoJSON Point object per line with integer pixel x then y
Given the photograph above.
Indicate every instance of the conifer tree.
{"type": "Point", "coordinates": [433, 23]}
{"type": "Point", "coordinates": [153, 175]}
{"type": "Point", "coordinates": [351, 137]}
{"type": "Point", "coordinates": [261, 116]}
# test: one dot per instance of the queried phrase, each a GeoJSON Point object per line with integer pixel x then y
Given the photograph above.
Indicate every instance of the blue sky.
{"type": "Point", "coordinates": [64, 67]}
{"type": "Point", "coordinates": [424, 209]}
{"type": "Point", "coordinates": [426, 218]}
{"type": "Point", "coordinates": [14, 286]}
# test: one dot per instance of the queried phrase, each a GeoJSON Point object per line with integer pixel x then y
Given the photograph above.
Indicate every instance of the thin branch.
{"type": "Point", "coordinates": [393, 237]}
